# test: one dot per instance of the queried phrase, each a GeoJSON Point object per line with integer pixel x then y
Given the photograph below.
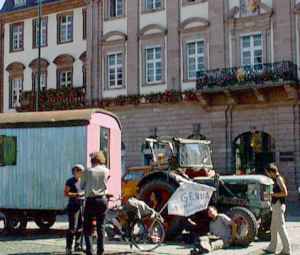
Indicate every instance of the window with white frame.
{"type": "Point", "coordinates": [15, 91]}
{"type": "Point", "coordinates": [153, 65]}
{"type": "Point", "coordinates": [43, 32]}
{"type": "Point", "coordinates": [19, 3]}
{"type": "Point", "coordinates": [65, 78]}
{"type": "Point", "coordinates": [65, 28]}
{"type": "Point", "coordinates": [43, 80]}
{"type": "Point", "coordinates": [17, 36]}
{"type": "Point", "coordinates": [252, 50]}
{"type": "Point", "coordinates": [153, 4]}
{"type": "Point", "coordinates": [115, 70]}
{"type": "Point", "coordinates": [195, 59]}
{"type": "Point", "coordinates": [116, 8]}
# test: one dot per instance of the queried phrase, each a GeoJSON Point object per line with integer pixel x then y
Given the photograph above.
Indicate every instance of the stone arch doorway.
{"type": "Point", "coordinates": [252, 151]}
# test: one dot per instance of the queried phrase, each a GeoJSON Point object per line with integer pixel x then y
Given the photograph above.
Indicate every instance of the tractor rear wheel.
{"type": "Point", "coordinates": [156, 194]}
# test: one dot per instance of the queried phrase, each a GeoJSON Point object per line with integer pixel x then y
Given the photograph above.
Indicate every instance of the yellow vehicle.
{"type": "Point", "coordinates": [131, 179]}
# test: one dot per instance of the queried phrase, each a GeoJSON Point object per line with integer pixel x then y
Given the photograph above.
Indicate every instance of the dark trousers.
{"type": "Point", "coordinates": [75, 225]}
{"type": "Point", "coordinates": [95, 208]}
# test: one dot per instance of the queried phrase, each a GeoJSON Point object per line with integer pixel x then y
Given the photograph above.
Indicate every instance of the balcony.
{"type": "Point", "coordinates": [239, 78]}
{"type": "Point", "coordinates": [54, 99]}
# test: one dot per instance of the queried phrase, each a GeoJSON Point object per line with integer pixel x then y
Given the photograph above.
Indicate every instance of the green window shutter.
{"type": "Point", "coordinates": [2, 150]}
{"type": "Point", "coordinates": [10, 151]}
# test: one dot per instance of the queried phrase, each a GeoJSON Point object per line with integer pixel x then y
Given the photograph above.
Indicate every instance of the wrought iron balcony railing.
{"type": "Point", "coordinates": [284, 71]}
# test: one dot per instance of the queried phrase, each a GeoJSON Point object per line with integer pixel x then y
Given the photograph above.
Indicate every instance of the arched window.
{"type": "Point", "coordinates": [16, 78]}
{"type": "Point", "coordinates": [64, 71]}
{"type": "Point", "coordinates": [34, 65]}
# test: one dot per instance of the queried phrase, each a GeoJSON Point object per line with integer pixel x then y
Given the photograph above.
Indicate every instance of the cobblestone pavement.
{"type": "Point", "coordinates": [54, 243]}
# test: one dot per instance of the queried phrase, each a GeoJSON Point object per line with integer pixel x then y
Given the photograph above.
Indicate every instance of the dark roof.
{"type": "Point", "coordinates": [9, 5]}
{"type": "Point", "coordinates": [53, 118]}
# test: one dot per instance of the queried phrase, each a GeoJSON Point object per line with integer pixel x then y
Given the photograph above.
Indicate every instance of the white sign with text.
{"type": "Point", "coordinates": [189, 199]}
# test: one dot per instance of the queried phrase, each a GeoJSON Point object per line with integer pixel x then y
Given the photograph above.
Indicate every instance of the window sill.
{"type": "Point", "coordinates": [193, 3]}
{"type": "Point", "coordinates": [36, 47]}
{"type": "Point", "coordinates": [114, 88]}
{"type": "Point", "coordinates": [149, 11]}
{"type": "Point", "coordinates": [190, 80]}
{"type": "Point", "coordinates": [154, 84]}
{"type": "Point", "coordinates": [16, 50]}
{"type": "Point", "coordinates": [66, 42]}
{"type": "Point", "coordinates": [114, 18]}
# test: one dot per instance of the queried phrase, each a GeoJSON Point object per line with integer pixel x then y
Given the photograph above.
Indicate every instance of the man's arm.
{"type": "Point", "coordinates": [69, 194]}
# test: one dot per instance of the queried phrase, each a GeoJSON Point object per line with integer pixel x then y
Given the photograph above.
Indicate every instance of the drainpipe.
{"type": "Point", "coordinates": [297, 147]}
{"type": "Point", "coordinates": [230, 137]}
{"type": "Point", "coordinates": [226, 136]}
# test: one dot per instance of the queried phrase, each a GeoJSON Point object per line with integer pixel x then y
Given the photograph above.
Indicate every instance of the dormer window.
{"type": "Point", "coordinates": [19, 3]}
{"type": "Point", "coordinates": [249, 8]}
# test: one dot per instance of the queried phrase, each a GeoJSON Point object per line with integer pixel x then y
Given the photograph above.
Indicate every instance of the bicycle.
{"type": "Point", "coordinates": [135, 223]}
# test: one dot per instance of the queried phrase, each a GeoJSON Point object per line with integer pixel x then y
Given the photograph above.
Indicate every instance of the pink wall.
{"type": "Point", "coordinates": [93, 143]}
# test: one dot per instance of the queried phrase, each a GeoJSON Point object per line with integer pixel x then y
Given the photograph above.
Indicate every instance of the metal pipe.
{"type": "Point", "coordinates": [38, 86]}
{"type": "Point", "coordinates": [226, 136]}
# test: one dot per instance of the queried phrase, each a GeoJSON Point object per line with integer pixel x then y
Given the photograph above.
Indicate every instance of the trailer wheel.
{"type": "Point", "coordinates": [15, 224]}
{"type": "Point", "coordinates": [3, 223]}
{"type": "Point", "coordinates": [247, 225]}
{"type": "Point", "coordinates": [45, 223]}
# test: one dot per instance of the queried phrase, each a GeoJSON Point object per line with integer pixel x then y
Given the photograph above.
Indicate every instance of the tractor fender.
{"type": "Point", "coordinates": [165, 176]}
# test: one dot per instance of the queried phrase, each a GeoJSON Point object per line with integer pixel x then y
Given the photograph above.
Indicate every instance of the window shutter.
{"type": "Point", "coordinates": [57, 79]}
{"type": "Point", "coordinates": [72, 27]}
{"type": "Point", "coordinates": [10, 151]}
{"type": "Point", "coordinates": [2, 150]}
{"type": "Point", "coordinates": [10, 93]}
{"type": "Point", "coordinates": [34, 33]}
{"type": "Point", "coordinates": [58, 29]}
{"type": "Point", "coordinates": [11, 37]}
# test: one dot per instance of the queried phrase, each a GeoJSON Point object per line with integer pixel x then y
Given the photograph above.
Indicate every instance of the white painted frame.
{"type": "Point", "coordinates": [17, 36]}
{"type": "Point", "coordinates": [252, 48]}
{"type": "Point", "coordinates": [66, 25]}
{"type": "Point", "coordinates": [115, 67]}
{"type": "Point", "coordinates": [153, 4]}
{"type": "Point", "coordinates": [16, 88]}
{"type": "Point", "coordinates": [154, 61]}
{"type": "Point", "coordinates": [196, 56]}
{"type": "Point", "coordinates": [66, 83]}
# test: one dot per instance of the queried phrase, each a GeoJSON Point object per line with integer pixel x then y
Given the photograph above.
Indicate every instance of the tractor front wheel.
{"type": "Point", "coordinates": [246, 225]}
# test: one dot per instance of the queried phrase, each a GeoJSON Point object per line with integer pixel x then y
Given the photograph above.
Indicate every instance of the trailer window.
{"type": "Point", "coordinates": [105, 144]}
{"type": "Point", "coordinates": [8, 150]}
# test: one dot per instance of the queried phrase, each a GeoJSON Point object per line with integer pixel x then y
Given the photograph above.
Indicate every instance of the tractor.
{"type": "Point", "coordinates": [175, 160]}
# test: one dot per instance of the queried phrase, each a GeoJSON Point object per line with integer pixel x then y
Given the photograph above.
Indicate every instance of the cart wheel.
{"type": "Point", "coordinates": [45, 223]}
{"type": "Point", "coordinates": [3, 223]}
{"type": "Point", "coordinates": [16, 224]}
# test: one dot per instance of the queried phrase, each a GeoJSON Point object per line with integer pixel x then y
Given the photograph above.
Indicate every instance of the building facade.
{"type": "Point", "coordinates": [233, 63]}
{"type": "Point", "coordinates": [63, 47]}
{"type": "Point", "coordinates": [224, 70]}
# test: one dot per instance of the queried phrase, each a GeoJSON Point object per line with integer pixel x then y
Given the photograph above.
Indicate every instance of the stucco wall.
{"type": "Point", "coordinates": [75, 49]}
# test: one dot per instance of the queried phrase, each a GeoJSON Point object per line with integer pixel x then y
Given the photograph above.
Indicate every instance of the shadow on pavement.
{"type": "Point", "coordinates": [47, 253]}
{"type": "Point", "coordinates": [33, 234]}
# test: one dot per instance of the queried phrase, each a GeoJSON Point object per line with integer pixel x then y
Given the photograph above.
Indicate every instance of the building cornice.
{"type": "Point", "coordinates": [47, 8]}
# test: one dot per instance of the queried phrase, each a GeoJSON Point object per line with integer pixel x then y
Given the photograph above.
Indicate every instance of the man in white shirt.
{"type": "Point", "coordinates": [94, 182]}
